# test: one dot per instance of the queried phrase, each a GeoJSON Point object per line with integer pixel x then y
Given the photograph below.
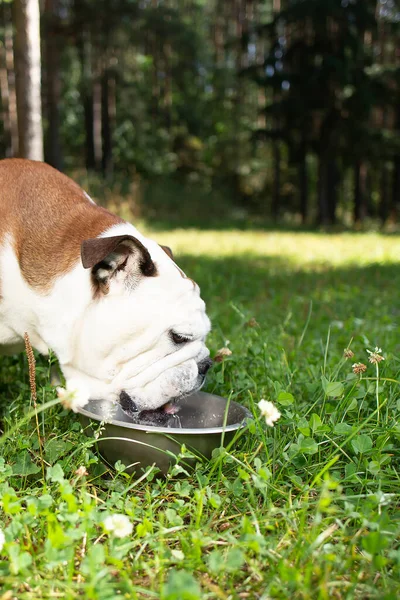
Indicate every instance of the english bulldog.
{"type": "Point", "coordinates": [124, 321]}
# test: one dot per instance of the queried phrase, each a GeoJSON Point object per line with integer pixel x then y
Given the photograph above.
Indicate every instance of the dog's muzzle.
{"type": "Point", "coordinates": [129, 406]}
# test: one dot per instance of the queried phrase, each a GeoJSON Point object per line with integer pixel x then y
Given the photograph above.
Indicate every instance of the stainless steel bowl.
{"type": "Point", "coordinates": [204, 422]}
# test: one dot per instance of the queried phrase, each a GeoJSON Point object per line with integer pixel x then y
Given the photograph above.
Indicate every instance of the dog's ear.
{"type": "Point", "coordinates": [106, 256]}
{"type": "Point", "coordinates": [168, 251]}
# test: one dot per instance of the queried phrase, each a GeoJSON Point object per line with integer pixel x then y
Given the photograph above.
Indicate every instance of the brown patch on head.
{"type": "Point", "coordinates": [47, 216]}
{"type": "Point", "coordinates": [167, 251]}
{"type": "Point", "coordinates": [184, 276]}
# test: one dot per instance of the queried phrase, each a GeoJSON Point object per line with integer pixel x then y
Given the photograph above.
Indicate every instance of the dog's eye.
{"type": "Point", "coordinates": [177, 338]}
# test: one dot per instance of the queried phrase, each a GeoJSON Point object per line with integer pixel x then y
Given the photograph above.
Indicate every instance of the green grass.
{"type": "Point", "coordinates": [307, 509]}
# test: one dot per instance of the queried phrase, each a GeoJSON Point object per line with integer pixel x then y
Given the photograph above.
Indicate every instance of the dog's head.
{"type": "Point", "coordinates": [142, 338]}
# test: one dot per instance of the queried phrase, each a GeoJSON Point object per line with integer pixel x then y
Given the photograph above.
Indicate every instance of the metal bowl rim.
{"type": "Point", "coordinates": [175, 430]}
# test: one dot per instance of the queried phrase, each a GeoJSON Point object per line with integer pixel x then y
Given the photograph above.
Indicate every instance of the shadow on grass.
{"type": "Point", "coordinates": [357, 302]}
{"type": "Point", "coordinates": [206, 220]}
{"type": "Point", "coordinates": [275, 291]}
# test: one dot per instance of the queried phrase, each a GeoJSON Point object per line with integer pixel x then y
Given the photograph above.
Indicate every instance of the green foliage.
{"type": "Point", "coordinates": [306, 509]}
{"type": "Point", "coordinates": [181, 585]}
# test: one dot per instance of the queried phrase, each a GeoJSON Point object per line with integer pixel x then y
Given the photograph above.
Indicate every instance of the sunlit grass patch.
{"type": "Point", "coordinates": [306, 508]}
{"type": "Point", "coordinates": [305, 249]}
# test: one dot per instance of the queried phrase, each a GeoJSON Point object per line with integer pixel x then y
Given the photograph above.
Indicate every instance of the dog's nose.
{"type": "Point", "coordinates": [204, 365]}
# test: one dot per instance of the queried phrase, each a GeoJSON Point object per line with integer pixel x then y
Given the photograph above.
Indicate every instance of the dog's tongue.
{"type": "Point", "coordinates": [170, 408]}
{"type": "Point", "coordinates": [163, 416]}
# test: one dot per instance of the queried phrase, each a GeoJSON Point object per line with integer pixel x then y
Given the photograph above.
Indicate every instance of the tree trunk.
{"type": "Point", "coordinates": [360, 192]}
{"type": "Point", "coordinates": [12, 96]}
{"type": "Point", "coordinates": [53, 149]}
{"type": "Point", "coordinates": [5, 108]}
{"type": "Point", "coordinates": [323, 202]}
{"type": "Point", "coordinates": [89, 143]}
{"type": "Point", "coordinates": [328, 168]}
{"type": "Point", "coordinates": [28, 78]}
{"type": "Point", "coordinates": [155, 86]}
{"type": "Point", "coordinates": [327, 190]}
{"type": "Point", "coordinates": [332, 176]}
{"type": "Point", "coordinates": [303, 183]}
{"type": "Point", "coordinates": [97, 129]}
{"type": "Point", "coordinates": [384, 199]}
{"type": "Point", "coordinates": [395, 200]}
{"type": "Point", "coordinates": [167, 53]}
{"type": "Point", "coordinates": [86, 93]}
{"type": "Point", "coordinates": [276, 191]}
{"type": "Point", "coordinates": [108, 120]}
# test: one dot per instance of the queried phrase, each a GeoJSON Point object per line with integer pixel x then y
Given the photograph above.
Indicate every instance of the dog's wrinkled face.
{"type": "Point", "coordinates": [142, 339]}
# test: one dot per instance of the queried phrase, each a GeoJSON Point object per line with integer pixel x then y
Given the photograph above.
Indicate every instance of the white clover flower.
{"type": "Point", "coordinates": [375, 356]}
{"type": "Point", "coordinates": [81, 471]}
{"type": "Point", "coordinates": [2, 540]}
{"type": "Point", "coordinates": [269, 411]}
{"type": "Point", "coordinates": [221, 354]}
{"type": "Point", "coordinates": [359, 368]}
{"type": "Point", "coordinates": [118, 525]}
{"type": "Point", "coordinates": [74, 397]}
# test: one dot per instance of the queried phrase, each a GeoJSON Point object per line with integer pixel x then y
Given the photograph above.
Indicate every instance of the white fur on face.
{"type": "Point", "coordinates": [124, 339]}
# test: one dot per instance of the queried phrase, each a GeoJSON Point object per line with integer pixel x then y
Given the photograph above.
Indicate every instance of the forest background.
{"type": "Point", "coordinates": [205, 110]}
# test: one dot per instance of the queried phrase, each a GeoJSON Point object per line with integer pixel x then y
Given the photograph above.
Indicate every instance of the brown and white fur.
{"type": "Point", "coordinates": [121, 317]}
